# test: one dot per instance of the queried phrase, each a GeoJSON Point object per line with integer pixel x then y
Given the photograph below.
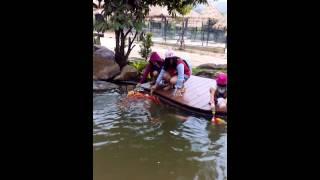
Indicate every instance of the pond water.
{"type": "Point", "coordinates": [139, 140]}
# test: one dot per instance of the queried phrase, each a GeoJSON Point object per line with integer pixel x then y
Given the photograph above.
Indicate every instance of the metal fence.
{"type": "Point", "coordinates": [193, 31]}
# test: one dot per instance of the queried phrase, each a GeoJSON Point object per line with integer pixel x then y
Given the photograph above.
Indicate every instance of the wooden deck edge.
{"type": "Point", "coordinates": [206, 114]}
{"type": "Point", "coordinates": [202, 112]}
{"type": "Point", "coordinates": [182, 106]}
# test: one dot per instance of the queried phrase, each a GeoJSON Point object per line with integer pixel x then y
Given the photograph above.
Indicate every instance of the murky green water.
{"type": "Point", "coordinates": [138, 140]}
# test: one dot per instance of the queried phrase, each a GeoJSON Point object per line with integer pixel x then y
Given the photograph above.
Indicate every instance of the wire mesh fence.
{"type": "Point", "coordinates": [186, 31]}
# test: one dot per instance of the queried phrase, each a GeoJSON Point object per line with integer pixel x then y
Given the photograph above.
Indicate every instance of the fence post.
{"type": "Point", "coordinates": [202, 33]}
{"type": "Point", "coordinates": [165, 29]}
{"type": "Point", "coordinates": [208, 33]}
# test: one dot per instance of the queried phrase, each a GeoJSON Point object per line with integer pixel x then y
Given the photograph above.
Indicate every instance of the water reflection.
{"type": "Point", "coordinates": [148, 141]}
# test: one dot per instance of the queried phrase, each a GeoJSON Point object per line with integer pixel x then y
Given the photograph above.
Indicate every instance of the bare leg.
{"type": "Point", "coordinates": [167, 78]}
{"type": "Point", "coordinates": [173, 80]}
{"type": "Point", "coordinates": [154, 77]}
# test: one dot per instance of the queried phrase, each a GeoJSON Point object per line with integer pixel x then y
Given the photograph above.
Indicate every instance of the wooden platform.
{"type": "Point", "coordinates": [196, 97]}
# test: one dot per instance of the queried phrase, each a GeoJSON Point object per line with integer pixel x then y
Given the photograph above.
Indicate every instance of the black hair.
{"type": "Point", "coordinates": [167, 63]}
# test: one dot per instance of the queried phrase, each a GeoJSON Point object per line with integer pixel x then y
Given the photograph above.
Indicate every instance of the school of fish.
{"type": "Point", "coordinates": [138, 95]}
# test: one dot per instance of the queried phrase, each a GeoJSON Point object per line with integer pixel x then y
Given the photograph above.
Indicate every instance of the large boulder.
{"type": "Point", "coordinates": [212, 66]}
{"type": "Point", "coordinates": [104, 65]}
{"type": "Point", "coordinates": [206, 73]}
{"type": "Point", "coordinates": [127, 73]}
{"type": "Point", "coordinates": [209, 73]}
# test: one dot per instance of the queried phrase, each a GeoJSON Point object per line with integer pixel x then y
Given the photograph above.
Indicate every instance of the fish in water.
{"type": "Point", "coordinates": [218, 121]}
{"type": "Point", "coordinates": [138, 95]}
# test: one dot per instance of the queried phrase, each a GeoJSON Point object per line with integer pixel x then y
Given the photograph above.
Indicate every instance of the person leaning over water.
{"type": "Point", "coordinates": [153, 68]}
{"type": "Point", "coordinates": [175, 71]}
{"type": "Point", "coordinates": [218, 94]}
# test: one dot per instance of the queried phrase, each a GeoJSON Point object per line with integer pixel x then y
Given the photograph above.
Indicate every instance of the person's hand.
{"type": "Point", "coordinates": [153, 88]}
{"type": "Point", "coordinates": [213, 108]}
{"type": "Point", "coordinates": [213, 113]}
{"type": "Point", "coordinates": [212, 105]}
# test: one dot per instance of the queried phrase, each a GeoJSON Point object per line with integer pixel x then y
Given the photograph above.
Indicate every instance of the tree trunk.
{"type": "Point", "coordinates": [117, 35]}
{"type": "Point", "coordinates": [123, 44]}
{"type": "Point", "coordinates": [119, 50]}
{"type": "Point", "coordinates": [121, 56]}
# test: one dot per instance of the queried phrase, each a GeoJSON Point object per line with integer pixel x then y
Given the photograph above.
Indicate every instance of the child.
{"type": "Point", "coordinates": [153, 68]}
{"type": "Point", "coordinates": [175, 72]}
{"type": "Point", "coordinates": [218, 94]}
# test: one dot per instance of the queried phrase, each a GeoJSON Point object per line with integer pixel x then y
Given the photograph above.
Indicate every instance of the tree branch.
{"type": "Point", "coordinates": [130, 43]}
{"type": "Point", "coordinates": [128, 32]}
{"type": "Point", "coordinates": [123, 43]}
{"type": "Point", "coordinates": [129, 50]}
{"type": "Point", "coordinates": [117, 34]}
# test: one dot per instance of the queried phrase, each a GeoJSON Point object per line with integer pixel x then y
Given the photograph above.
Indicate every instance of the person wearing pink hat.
{"type": "Point", "coordinates": [153, 68]}
{"type": "Point", "coordinates": [218, 94]}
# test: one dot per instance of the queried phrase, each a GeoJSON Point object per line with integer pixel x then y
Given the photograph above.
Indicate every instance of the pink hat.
{"type": "Point", "coordinates": [155, 57]}
{"type": "Point", "coordinates": [169, 53]}
{"type": "Point", "coordinates": [222, 79]}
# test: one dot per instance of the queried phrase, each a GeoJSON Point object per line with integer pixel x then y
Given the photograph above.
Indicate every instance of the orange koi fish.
{"type": "Point", "coordinates": [138, 95]}
{"type": "Point", "coordinates": [218, 121]}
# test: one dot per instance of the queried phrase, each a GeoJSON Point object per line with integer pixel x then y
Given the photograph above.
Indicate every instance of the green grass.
{"type": "Point", "coordinates": [209, 73]}
{"type": "Point", "coordinates": [196, 70]}
{"type": "Point", "coordinates": [139, 64]}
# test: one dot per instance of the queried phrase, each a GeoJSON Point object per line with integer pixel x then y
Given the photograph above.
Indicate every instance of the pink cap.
{"type": "Point", "coordinates": [169, 53]}
{"type": "Point", "coordinates": [222, 79]}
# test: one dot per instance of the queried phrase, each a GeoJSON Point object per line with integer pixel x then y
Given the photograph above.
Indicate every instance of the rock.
{"type": "Point", "coordinates": [206, 74]}
{"type": "Point", "coordinates": [212, 66]}
{"type": "Point", "coordinates": [104, 65]}
{"type": "Point", "coordinates": [221, 66]}
{"type": "Point", "coordinates": [128, 73]}
{"type": "Point", "coordinates": [102, 85]}
{"type": "Point", "coordinates": [209, 73]}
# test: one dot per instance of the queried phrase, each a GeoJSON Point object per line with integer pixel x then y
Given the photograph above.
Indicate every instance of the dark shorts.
{"type": "Point", "coordinates": [156, 68]}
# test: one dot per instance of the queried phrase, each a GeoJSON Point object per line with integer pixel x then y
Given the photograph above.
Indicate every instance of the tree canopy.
{"type": "Point", "coordinates": [124, 16]}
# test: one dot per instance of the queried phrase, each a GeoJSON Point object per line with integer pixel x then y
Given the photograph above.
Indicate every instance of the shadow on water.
{"type": "Point", "coordinates": [137, 139]}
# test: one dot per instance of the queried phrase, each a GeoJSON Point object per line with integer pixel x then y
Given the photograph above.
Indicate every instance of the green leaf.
{"type": "Point", "coordinates": [130, 23]}
{"type": "Point", "coordinates": [121, 17]}
{"type": "Point", "coordinates": [116, 26]}
{"type": "Point", "coordinates": [121, 26]}
{"type": "Point", "coordinates": [138, 26]}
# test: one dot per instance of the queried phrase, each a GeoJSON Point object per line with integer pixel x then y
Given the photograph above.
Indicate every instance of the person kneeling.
{"type": "Point", "coordinates": [153, 68]}
{"type": "Point", "coordinates": [218, 94]}
{"type": "Point", "coordinates": [176, 72]}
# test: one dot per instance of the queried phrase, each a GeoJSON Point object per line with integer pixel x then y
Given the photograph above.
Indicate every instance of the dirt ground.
{"type": "Point", "coordinates": [195, 56]}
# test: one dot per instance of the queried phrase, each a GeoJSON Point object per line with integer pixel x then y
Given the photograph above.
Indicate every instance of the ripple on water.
{"type": "Point", "coordinates": [99, 144]}
{"type": "Point", "coordinates": [139, 131]}
{"type": "Point", "coordinates": [194, 130]}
